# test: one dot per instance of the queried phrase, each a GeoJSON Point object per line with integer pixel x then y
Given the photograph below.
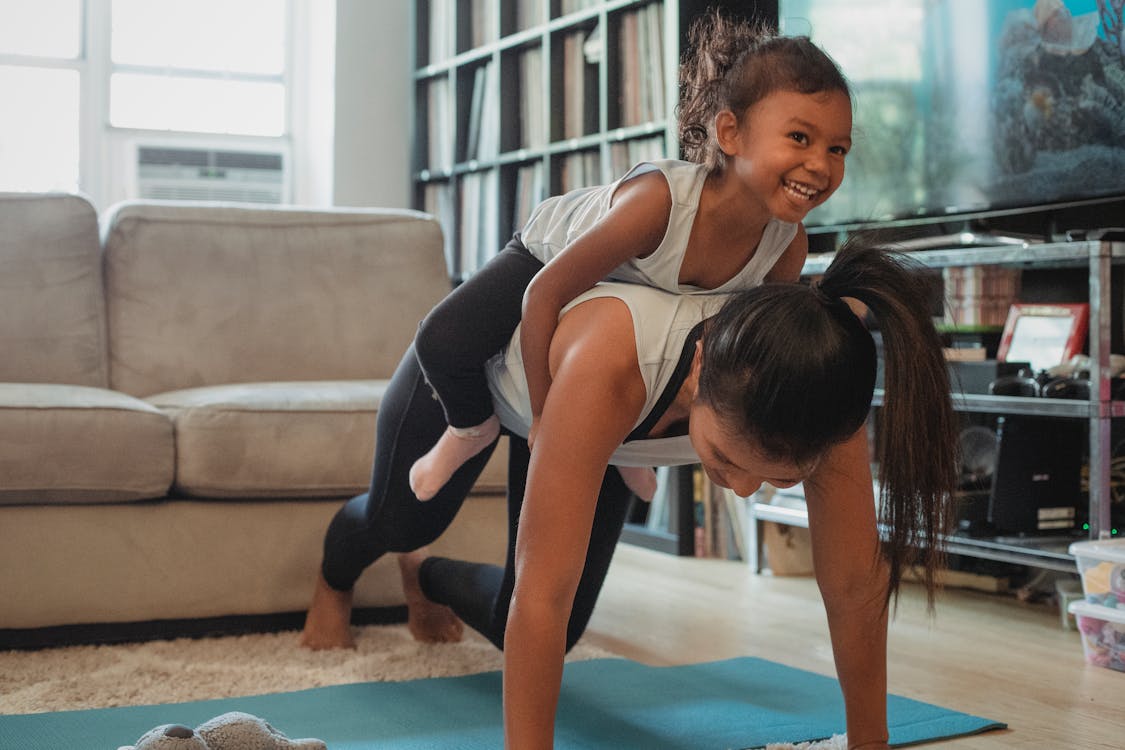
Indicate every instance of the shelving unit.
{"type": "Point", "coordinates": [516, 100]}
{"type": "Point", "coordinates": [1098, 412]}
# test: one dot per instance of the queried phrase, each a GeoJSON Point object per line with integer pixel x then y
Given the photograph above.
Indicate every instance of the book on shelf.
{"type": "Point", "coordinates": [979, 295]}
{"type": "Point", "coordinates": [482, 137]}
{"type": "Point", "coordinates": [594, 46]}
{"type": "Point", "coordinates": [440, 139]}
{"type": "Point", "coordinates": [640, 57]}
{"type": "Point", "coordinates": [964, 353]}
{"type": "Point", "coordinates": [566, 7]}
{"type": "Point", "coordinates": [476, 105]}
{"type": "Point", "coordinates": [490, 228]}
{"type": "Point", "coordinates": [532, 126]}
{"type": "Point", "coordinates": [579, 169]}
{"type": "Point", "coordinates": [624, 154]}
{"type": "Point", "coordinates": [468, 228]}
{"type": "Point", "coordinates": [488, 146]}
{"type": "Point", "coordinates": [437, 200]}
{"type": "Point", "coordinates": [531, 189]}
{"type": "Point", "coordinates": [483, 22]}
{"type": "Point", "coordinates": [580, 82]}
{"type": "Point", "coordinates": [641, 65]}
{"type": "Point", "coordinates": [443, 17]}
{"type": "Point", "coordinates": [529, 13]}
{"type": "Point", "coordinates": [652, 25]}
{"type": "Point", "coordinates": [478, 234]}
{"type": "Point", "coordinates": [574, 85]}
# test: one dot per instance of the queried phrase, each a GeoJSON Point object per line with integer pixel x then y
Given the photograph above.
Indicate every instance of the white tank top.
{"type": "Point", "coordinates": [661, 325]}
{"type": "Point", "coordinates": [558, 221]}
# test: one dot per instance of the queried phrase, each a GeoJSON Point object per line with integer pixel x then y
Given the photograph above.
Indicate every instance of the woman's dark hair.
{"type": "Point", "coordinates": [793, 367]}
{"type": "Point", "coordinates": [732, 64]}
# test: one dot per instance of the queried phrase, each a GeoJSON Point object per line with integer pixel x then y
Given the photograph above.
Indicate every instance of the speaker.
{"type": "Point", "coordinates": [1037, 486]}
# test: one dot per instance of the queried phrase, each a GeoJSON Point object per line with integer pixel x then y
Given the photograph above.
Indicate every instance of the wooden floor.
{"type": "Point", "coordinates": [983, 654]}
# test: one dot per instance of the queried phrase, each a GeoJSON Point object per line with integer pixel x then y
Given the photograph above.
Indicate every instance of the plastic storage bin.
{"type": "Point", "coordinates": [1103, 634]}
{"type": "Point", "coordinates": [1101, 564]}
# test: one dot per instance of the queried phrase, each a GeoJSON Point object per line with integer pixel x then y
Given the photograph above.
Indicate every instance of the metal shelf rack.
{"type": "Point", "coordinates": [1045, 552]}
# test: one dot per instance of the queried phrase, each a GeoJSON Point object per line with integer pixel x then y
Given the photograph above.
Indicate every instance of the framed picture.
{"type": "Point", "coordinates": [1044, 335]}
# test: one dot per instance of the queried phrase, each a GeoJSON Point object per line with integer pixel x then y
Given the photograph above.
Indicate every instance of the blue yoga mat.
{"type": "Point", "coordinates": [605, 703]}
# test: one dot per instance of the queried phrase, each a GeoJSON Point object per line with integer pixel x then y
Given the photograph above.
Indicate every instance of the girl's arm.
{"type": "Point", "coordinates": [633, 227]}
{"type": "Point", "coordinates": [853, 582]}
{"type": "Point", "coordinates": [788, 266]}
{"type": "Point", "coordinates": [595, 399]}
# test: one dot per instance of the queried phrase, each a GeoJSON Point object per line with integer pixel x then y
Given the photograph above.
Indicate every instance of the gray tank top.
{"type": "Point", "coordinates": [662, 323]}
{"type": "Point", "coordinates": [558, 221]}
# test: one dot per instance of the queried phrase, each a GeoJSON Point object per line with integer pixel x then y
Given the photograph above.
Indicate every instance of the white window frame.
{"type": "Point", "coordinates": [106, 153]}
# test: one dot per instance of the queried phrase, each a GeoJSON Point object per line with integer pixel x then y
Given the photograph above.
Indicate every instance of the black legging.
{"type": "Point", "coordinates": [475, 321]}
{"type": "Point", "coordinates": [388, 518]}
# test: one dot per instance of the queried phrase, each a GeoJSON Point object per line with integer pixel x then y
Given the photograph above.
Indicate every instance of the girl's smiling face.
{"type": "Point", "coordinates": [788, 149]}
{"type": "Point", "coordinates": [732, 461]}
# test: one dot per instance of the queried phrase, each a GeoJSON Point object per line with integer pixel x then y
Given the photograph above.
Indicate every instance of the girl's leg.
{"type": "Point", "coordinates": [454, 342]}
{"type": "Point", "coordinates": [387, 518]}
{"type": "Point", "coordinates": [480, 594]}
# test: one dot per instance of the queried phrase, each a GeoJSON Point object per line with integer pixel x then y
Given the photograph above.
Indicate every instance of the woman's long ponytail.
{"type": "Point", "coordinates": [917, 441]}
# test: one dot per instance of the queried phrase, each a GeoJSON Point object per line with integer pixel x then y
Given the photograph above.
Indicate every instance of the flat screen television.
{"type": "Point", "coordinates": [971, 108]}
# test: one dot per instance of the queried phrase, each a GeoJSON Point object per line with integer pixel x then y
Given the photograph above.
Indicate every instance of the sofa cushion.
{"type": "Point", "coordinates": [295, 439]}
{"type": "Point", "coordinates": [203, 294]}
{"type": "Point", "coordinates": [52, 313]}
{"type": "Point", "coordinates": [283, 440]}
{"type": "Point", "coordinates": [76, 444]}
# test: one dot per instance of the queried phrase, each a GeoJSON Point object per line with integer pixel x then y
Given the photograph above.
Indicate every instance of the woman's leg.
{"type": "Point", "coordinates": [453, 343]}
{"type": "Point", "coordinates": [387, 518]}
{"type": "Point", "coordinates": [480, 594]}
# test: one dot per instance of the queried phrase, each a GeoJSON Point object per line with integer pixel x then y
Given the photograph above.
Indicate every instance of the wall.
{"type": "Point", "coordinates": [374, 42]}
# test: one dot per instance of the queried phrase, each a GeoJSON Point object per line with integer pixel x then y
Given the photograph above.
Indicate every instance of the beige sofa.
{"type": "Point", "coordinates": [187, 394]}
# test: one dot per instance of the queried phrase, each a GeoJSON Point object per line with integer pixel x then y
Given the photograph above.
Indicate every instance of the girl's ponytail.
{"type": "Point", "coordinates": [716, 44]}
{"type": "Point", "coordinates": [917, 443]}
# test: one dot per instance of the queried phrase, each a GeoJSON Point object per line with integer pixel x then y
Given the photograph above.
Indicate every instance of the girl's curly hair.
{"type": "Point", "coordinates": [731, 64]}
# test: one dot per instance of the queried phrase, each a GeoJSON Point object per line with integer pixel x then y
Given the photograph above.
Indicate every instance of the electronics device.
{"type": "Point", "coordinates": [972, 108]}
{"type": "Point", "coordinates": [1037, 484]}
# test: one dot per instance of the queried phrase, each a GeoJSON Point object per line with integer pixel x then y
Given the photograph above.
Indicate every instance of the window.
{"type": "Point", "coordinates": [211, 66]}
{"type": "Point", "coordinates": [39, 149]}
{"type": "Point", "coordinates": [87, 76]}
{"type": "Point", "coordinates": [40, 56]}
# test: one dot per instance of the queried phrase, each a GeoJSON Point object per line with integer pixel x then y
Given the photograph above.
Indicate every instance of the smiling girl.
{"type": "Point", "coordinates": [765, 122]}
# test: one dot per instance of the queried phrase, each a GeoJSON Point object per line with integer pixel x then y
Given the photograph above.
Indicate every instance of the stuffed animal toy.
{"type": "Point", "coordinates": [231, 731]}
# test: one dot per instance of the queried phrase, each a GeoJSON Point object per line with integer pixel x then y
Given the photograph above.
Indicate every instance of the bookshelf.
{"type": "Point", "coordinates": [517, 100]}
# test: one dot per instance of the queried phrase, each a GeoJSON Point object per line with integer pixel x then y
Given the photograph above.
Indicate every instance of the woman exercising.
{"type": "Point", "coordinates": [776, 386]}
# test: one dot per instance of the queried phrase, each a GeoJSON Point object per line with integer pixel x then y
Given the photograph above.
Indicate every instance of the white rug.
{"type": "Point", "coordinates": [181, 670]}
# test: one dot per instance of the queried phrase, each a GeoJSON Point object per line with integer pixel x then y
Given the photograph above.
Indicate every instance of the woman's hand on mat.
{"type": "Point", "coordinates": [876, 745]}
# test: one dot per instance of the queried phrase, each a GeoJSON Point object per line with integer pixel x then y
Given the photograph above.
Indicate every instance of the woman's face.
{"type": "Point", "coordinates": [733, 461]}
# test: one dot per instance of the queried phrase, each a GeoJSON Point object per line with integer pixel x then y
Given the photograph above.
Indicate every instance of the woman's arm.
{"type": "Point", "coordinates": [633, 227]}
{"type": "Point", "coordinates": [853, 582]}
{"type": "Point", "coordinates": [595, 399]}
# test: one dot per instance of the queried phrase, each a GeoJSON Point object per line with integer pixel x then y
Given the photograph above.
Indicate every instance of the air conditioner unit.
{"type": "Point", "coordinates": [206, 174]}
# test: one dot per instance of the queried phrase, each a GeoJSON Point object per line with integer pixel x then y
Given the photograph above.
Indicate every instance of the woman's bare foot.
{"type": "Point", "coordinates": [328, 623]}
{"type": "Point", "coordinates": [455, 446]}
{"type": "Point", "coordinates": [428, 622]}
